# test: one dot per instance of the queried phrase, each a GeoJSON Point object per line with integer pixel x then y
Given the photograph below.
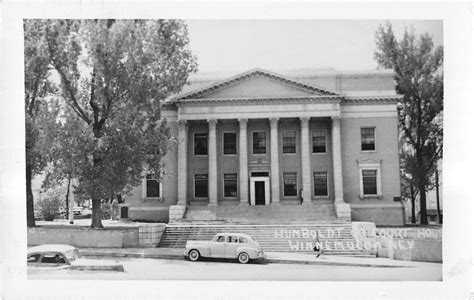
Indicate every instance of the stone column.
{"type": "Point", "coordinates": [212, 148]}
{"type": "Point", "coordinates": [343, 210]}
{"type": "Point", "coordinates": [337, 159]}
{"type": "Point", "coordinates": [182, 162]}
{"type": "Point", "coordinates": [243, 163]}
{"type": "Point", "coordinates": [305, 160]}
{"type": "Point", "coordinates": [275, 168]}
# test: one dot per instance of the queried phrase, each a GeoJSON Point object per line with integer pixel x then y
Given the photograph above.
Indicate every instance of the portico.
{"type": "Point", "coordinates": [260, 168]}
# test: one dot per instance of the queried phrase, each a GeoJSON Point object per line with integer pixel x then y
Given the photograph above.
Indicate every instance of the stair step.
{"type": "Point", "coordinates": [273, 237]}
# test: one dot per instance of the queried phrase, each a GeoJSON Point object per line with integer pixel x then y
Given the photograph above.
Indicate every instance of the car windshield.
{"type": "Point", "coordinates": [73, 255]}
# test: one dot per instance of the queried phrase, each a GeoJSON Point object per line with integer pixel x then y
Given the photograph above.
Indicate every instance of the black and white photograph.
{"type": "Point", "coordinates": [175, 149]}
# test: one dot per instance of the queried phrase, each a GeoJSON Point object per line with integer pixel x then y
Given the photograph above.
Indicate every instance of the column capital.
{"type": "Point", "coordinates": [336, 121]}
{"type": "Point", "coordinates": [274, 121]}
{"type": "Point", "coordinates": [304, 121]}
{"type": "Point", "coordinates": [212, 122]}
{"type": "Point", "coordinates": [243, 122]}
{"type": "Point", "coordinates": [181, 124]}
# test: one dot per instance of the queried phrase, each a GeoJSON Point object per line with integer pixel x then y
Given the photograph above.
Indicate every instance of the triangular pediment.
{"type": "Point", "coordinates": [256, 84]}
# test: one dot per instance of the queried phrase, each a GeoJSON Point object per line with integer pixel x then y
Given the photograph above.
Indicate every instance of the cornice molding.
{"type": "Point", "coordinates": [273, 100]}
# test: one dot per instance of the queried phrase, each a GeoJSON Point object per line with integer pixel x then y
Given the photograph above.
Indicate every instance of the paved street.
{"type": "Point", "coordinates": [158, 269]}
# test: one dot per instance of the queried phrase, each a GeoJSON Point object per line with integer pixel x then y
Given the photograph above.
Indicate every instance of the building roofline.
{"type": "Point", "coordinates": [231, 80]}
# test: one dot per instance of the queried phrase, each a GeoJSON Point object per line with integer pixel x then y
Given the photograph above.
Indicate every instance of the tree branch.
{"type": "Point", "coordinates": [74, 103]}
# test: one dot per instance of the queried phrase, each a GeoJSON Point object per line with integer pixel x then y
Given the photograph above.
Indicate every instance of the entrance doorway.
{"type": "Point", "coordinates": [259, 192]}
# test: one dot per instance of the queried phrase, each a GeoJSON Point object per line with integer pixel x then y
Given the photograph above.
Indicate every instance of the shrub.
{"type": "Point", "coordinates": [106, 210]}
{"type": "Point", "coordinates": [50, 204]}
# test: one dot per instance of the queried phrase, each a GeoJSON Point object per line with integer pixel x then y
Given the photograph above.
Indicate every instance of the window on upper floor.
{"type": "Point", "coordinates": [259, 142]}
{"type": "Point", "coordinates": [230, 143]}
{"type": "Point", "coordinates": [319, 141]}
{"type": "Point", "coordinates": [367, 137]}
{"type": "Point", "coordinates": [289, 141]}
{"type": "Point", "coordinates": [200, 143]}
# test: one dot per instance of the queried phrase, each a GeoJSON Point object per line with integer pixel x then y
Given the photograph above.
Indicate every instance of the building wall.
{"type": "Point", "coordinates": [321, 162]}
{"type": "Point", "coordinates": [197, 164]}
{"type": "Point", "coordinates": [229, 163]}
{"type": "Point", "coordinates": [381, 211]}
{"type": "Point", "coordinates": [141, 208]}
{"type": "Point", "coordinates": [289, 162]}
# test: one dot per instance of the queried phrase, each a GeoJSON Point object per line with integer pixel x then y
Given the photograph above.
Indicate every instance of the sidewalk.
{"type": "Point", "coordinates": [272, 257]}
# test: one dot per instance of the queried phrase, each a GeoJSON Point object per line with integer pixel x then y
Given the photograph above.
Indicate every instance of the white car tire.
{"type": "Point", "coordinates": [194, 255]}
{"type": "Point", "coordinates": [243, 258]}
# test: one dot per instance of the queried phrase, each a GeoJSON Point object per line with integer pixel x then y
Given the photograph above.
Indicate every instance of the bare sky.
{"type": "Point", "coordinates": [240, 45]}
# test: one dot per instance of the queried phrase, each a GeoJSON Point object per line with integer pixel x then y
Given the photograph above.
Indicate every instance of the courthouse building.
{"type": "Point", "coordinates": [298, 138]}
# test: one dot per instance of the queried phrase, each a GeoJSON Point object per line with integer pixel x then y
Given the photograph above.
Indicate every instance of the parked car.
{"type": "Point", "coordinates": [66, 257]}
{"type": "Point", "coordinates": [82, 211]}
{"type": "Point", "coordinates": [225, 245]}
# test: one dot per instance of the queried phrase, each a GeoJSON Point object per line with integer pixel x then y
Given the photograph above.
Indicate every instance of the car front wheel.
{"type": "Point", "coordinates": [194, 255]}
{"type": "Point", "coordinates": [244, 258]}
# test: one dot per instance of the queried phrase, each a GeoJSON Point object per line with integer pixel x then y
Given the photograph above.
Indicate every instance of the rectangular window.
{"type": "Point", "coordinates": [320, 180]}
{"type": "Point", "coordinates": [200, 186]}
{"type": "Point", "coordinates": [367, 137]}
{"type": "Point", "coordinates": [319, 141]}
{"type": "Point", "coordinates": [230, 185]}
{"type": "Point", "coordinates": [200, 144]}
{"type": "Point", "coordinates": [289, 185]}
{"type": "Point", "coordinates": [369, 182]}
{"type": "Point", "coordinates": [259, 143]}
{"type": "Point", "coordinates": [289, 141]}
{"type": "Point", "coordinates": [230, 143]}
{"type": "Point", "coordinates": [152, 187]}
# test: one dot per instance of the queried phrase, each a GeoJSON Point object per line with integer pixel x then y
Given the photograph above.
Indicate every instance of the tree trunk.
{"type": "Point", "coordinates": [423, 216]}
{"type": "Point", "coordinates": [413, 202]}
{"type": "Point", "coordinates": [30, 210]}
{"type": "Point", "coordinates": [96, 214]}
{"type": "Point", "coordinates": [67, 195]}
{"type": "Point", "coordinates": [440, 216]}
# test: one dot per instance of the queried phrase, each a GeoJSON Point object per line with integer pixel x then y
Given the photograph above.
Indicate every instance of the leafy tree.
{"type": "Point", "coordinates": [418, 67]}
{"type": "Point", "coordinates": [37, 89]}
{"type": "Point", "coordinates": [113, 75]}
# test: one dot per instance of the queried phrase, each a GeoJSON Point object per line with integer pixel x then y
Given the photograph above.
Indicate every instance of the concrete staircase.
{"type": "Point", "coordinates": [335, 238]}
{"type": "Point", "coordinates": [264, 214]}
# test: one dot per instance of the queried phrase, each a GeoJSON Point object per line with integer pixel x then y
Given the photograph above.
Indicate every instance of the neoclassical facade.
{"type": "Point", "coordinates": [262, 138]}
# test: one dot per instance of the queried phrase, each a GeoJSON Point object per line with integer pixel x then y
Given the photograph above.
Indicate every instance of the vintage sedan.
{"type": "Point", "coordinates": [66, 257]}
{"type": "Point", "coordinates": [225, 245]}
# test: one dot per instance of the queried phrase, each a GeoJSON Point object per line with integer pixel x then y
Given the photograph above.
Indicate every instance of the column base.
{"type": "Point", "coordinates": [243, 204]}
{"type": "Point", "coordinates": [307, 203]}
{"type": "Point", "coordinates": [343, 211]}
{"type": "Point", "coordinates": [276, 203]}
{"type": "Point", "coordinates": [176, 212]}
{"type": "Point", "coordinates": [212, 204]}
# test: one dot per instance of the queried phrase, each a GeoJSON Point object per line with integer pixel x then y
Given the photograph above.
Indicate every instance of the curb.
{"type": "Point", "coordinates": [271, 261]}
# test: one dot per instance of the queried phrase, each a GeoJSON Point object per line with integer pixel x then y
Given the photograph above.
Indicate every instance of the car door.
{"type": "Point", "coordinates": [218, 247]}
{"type": "Point", "coordinates": [232, 246]}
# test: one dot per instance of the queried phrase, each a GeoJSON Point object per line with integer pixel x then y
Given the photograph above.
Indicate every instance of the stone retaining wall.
{"type": "Point", "coordinates": [401, 243]}
{"type": "Point", "coordinates": [126, 237]}
{"type": "Point", "coordinates": [139, 235]}
{"type": "Point", "coordinates": [149, 235]}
